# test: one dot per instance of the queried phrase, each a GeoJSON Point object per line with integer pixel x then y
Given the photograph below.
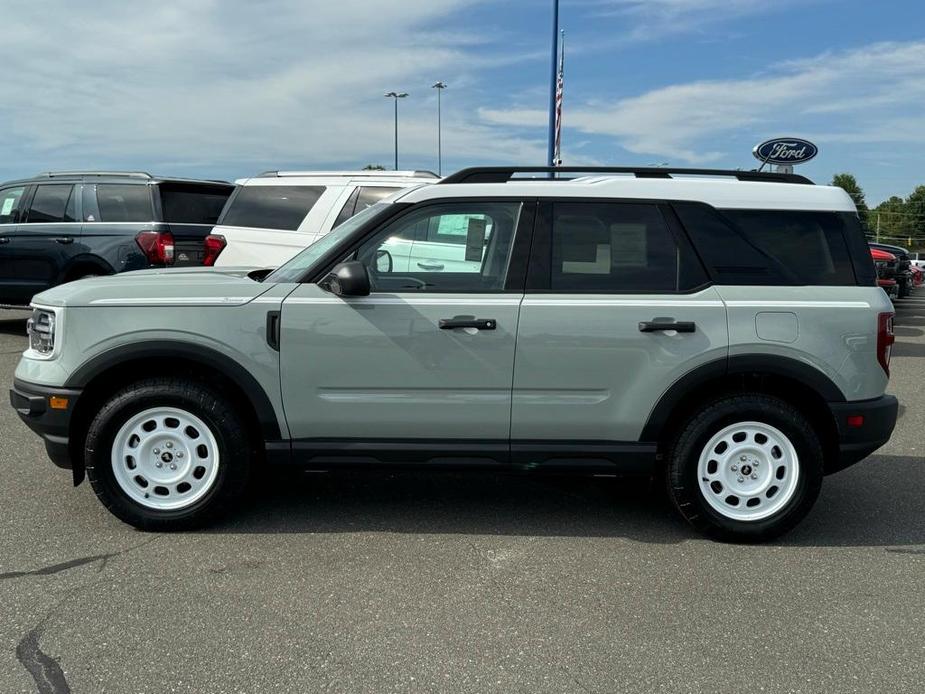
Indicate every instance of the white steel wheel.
{"type": "Point", "coordinates": [748, 471]}
{"type": "Point", "coordinates": [165, 458]}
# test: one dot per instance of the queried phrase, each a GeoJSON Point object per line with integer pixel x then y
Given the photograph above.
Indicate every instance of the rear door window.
{"type": "Point", "coordinates": [10, 200]}
{"type": "Point", "coordinates": [618, 248]}
{"type": "Point", "coordinates": [52, 203]}
{"type": "Point", "coordinates": [192, 204]}
{"type": "Point", "coordinates": [118, 202]}
{"type": "Point", "coordinates": [271, 207]}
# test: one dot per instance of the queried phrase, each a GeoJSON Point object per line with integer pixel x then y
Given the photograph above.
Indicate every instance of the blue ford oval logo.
{"type": "Point", "coordinates": [785, 150]}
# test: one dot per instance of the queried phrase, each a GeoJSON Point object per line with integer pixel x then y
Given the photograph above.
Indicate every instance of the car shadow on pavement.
{"type": "Point", "coordinates": [875, 504]}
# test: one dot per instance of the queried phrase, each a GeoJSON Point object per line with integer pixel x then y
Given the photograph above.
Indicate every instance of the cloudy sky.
{"type": "Point", "coordinates": [226, 88]}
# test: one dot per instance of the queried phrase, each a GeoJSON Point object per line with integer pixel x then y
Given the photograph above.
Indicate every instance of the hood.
{"type": "Point", "coordinates": [194, 286]}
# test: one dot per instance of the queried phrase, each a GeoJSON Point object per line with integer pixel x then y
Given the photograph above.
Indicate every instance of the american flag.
{"type": "Point", "coordinates": [560, 89]}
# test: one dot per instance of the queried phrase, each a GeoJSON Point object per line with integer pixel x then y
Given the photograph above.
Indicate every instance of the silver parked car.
{"type": "Point", "coordinates": [720, 329]}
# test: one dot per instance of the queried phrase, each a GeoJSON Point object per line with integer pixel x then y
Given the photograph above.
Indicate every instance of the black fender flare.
{"type": "Point", "coordinates": [770, 364]}
{"type": "Point", "coordinates": [207, 357]}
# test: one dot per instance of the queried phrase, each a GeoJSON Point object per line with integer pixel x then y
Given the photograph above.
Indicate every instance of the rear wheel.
{"type": "Point", "coordinates": [747, 468]}
{"type": "Point", "coordinates": [166, 454]}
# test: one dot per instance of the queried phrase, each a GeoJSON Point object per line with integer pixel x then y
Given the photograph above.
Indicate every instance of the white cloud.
{"type": "Point", "coordinates": [213, 82]}
{"type": "Point", "coordinates": [872, 94]}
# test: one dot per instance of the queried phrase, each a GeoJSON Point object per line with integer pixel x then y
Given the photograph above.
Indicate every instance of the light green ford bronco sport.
{"type": "Point", "coordinates": [722, 330]}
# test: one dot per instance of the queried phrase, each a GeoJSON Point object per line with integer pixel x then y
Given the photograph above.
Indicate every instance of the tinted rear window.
{"type": "Point", "coordinates": [271, 207]}
{"type": "Point", "coordinates": [192, 204]}
{"type": "Point", "coordinates": [617, 247]}
{"type": "Point", "coordinates": [810, 245]}
{"type": "Point", "coordinates": [52, 203]}
{"type": "Point", "coordinates": [124, 203]}
{"type": "Point", "coordinates": [772, 247]}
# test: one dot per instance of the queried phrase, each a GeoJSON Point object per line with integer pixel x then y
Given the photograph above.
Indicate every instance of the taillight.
{"type": "Point", "coordinates": [885, 340]}
{"type": "Point", "coordinates": [214, 245]}
{"type": "Point", "coordinates": [157, 246]}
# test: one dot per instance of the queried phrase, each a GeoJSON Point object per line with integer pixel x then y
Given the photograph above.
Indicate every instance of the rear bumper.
{"type": "Point", "coordinates": [31, 403]}
{"type": "Point", "coordinates": [857, 442]}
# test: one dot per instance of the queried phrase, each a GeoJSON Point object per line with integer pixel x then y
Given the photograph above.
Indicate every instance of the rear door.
{"type": "Point", "coordinates": [12, 201]}
{"type": "Point", "coordinates": [113, 214]}
{"type": "Point", "coordinates": [190, 210]}
{"type": "Point", "coordinates": [47, 239]}
{"type": "Point", "coordinates": [617, 308]}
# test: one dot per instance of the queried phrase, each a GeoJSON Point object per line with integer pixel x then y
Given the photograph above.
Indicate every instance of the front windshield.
{"type": "Point", "coordinates": [293, 270]}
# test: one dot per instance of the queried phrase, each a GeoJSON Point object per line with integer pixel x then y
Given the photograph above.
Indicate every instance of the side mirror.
{"type": "Point", "coordinates": [347, 279]}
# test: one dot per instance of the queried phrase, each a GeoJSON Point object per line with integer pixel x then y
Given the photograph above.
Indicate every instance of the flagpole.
{"type": "Point", "coordinates": [560, 101]}
{"type": "Point", "coordinates": [552, 84]}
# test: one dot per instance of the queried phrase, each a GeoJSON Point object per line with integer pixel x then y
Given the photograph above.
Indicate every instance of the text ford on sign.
{"type": "Point", "coordinates": [785, 150]}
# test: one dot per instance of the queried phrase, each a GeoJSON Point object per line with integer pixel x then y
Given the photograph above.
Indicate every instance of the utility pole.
{"type": "Point", "coordinates": [396, 96]}
{"type": "Point", "coordinates": [439, 86]}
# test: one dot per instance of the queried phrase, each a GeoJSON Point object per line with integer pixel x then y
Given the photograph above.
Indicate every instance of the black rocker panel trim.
{"type": "Point", "coordinates": [540, 455]}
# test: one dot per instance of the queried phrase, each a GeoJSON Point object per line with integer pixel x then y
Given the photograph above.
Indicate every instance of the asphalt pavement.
{"type": "Point", "coordinates": [452, 583]}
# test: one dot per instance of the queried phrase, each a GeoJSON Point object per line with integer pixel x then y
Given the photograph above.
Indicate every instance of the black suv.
{"type": "Point", "coordinates": [59, 227]}
{"type": "Point", "coordinates": [903, 274]}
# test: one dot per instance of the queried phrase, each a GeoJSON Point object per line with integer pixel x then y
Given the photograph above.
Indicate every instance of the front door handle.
{"type": "Point", "coordinates": [64, 239]}
{"type": "Point", "coordinates": [677, 326]}
{"type": "Point", "coordinates": [433, 267]}
{"type": "Point", "coordinates": [468, 322]}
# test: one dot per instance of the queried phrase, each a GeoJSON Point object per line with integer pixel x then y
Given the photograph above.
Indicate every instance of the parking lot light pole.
{"type": "Point", "coordinates": [439, 86]}
{"type": "Point", "coordinates": [396, 96]}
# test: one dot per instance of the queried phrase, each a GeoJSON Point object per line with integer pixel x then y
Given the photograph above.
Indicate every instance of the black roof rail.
{"type": "Point", "coordinates": [131, 174]}
{"type": "Point", "coordinates": [503, 174]}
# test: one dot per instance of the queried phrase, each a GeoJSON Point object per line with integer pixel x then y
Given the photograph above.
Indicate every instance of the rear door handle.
{"type": "Point", "coordinates": [64, 239]}
{"type": "Point", "coordinates": [468, 322]}
{"type": "Point", "coordinates": [431, 266]}
{"type": "Point", "coordinates": [677, 326]}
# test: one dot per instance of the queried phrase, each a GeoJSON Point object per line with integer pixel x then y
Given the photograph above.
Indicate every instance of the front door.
{"type": "Point", "coordinates": [617, 308]}
{"type": "Point", "coordinates": [426, 359]}
{"type": "Point", "coordinates": [48, 238]}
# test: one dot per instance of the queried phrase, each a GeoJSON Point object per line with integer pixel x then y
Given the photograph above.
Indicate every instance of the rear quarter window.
{"type": "Point", "coordinates": [271, 207]}
{"type": "Point", "coordinates": [777, 247]}
{"type": "Point", "coordinates": [192, 204]}
{"type": "Point", "coordinates": [124, 203]}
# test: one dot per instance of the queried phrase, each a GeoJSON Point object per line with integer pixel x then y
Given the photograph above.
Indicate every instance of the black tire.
{"type": "Point", "coordinates": [684, 454]}
{"type": "Point", "coordinates": [225, 423]}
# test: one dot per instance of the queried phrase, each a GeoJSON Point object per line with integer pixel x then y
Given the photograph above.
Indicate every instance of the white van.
{"type": "Point", "coordinates": [271, 217]}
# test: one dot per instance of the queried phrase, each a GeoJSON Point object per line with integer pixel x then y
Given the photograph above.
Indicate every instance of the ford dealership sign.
{"type": "Point", "coordinates": [785, 150]}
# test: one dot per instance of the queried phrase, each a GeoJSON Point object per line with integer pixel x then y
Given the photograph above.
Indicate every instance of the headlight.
{"type": "Point", "coordinates": [41, 329]}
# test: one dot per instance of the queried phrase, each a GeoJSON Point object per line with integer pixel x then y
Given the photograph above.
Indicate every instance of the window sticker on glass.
{"type": "Point", "coordinates": [475, 239]}
{"type": "Point", "coordinates": [7, 206]}
{"type": "Point", "coordinates": [628, 245]}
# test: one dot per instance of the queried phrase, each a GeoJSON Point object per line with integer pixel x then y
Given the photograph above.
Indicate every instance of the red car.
{"type": "Point", "coordinates": [886, 264]}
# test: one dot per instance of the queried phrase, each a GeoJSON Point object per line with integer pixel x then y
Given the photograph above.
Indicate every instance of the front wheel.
{"type": "Point", "coordinates": [748, 468]}
{"type": "Point", "coordinates": [167, 454]}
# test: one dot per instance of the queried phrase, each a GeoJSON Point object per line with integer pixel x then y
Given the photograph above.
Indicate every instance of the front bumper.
{"type": "Point", "coordinates": [857, 442]}
{"type": "Point", "coordinates": [32, 403]}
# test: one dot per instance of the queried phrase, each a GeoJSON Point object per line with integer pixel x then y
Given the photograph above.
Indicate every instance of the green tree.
{"type": "Point", "coordinates": [849, 184]}
{"type": "Point", "coordinates": [915, 214]}
{"type": "Point", "coordinates": [890, 220]}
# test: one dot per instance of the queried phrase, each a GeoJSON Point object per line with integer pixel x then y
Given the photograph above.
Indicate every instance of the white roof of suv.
{"type": "Point", "coordinates": [721, 190]}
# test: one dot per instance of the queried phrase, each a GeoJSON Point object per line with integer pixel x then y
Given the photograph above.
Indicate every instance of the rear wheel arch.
{"type": "Point", "coordinates": [105, 374]}
{"type": "Point", "coordinates": [803, 386]}
{"type": "Point", "coordinates": [86, 265]}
